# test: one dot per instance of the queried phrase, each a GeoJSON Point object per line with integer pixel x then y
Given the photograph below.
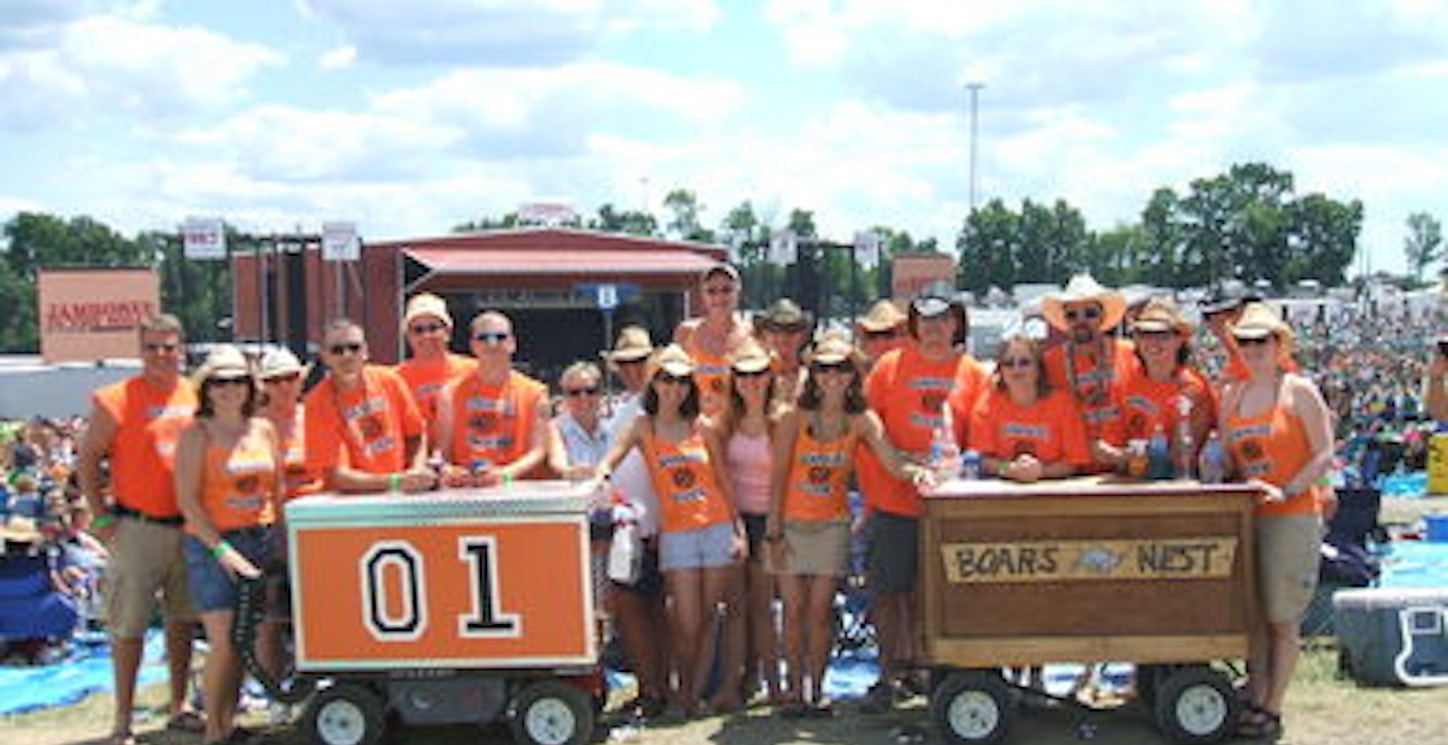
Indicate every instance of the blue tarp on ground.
{"type": "Point", "coordinates": [86, 669]}
{"type": "Point", "coordinates": [1415, 564]}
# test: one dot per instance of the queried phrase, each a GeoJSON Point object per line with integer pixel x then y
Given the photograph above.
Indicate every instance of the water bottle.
{"type": "Point", "coordinates": [1158, 455]}
{"type": "Point", "coordinates": [1213, 466]}
{"type": "Point", "coordinates": [1185, 447]}
{"type": "Point", "coordinates": [944, 451]}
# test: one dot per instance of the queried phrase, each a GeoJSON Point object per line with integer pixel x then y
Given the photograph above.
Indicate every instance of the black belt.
{"type": "Point", "coordinates": [251, 531]}
{"type": "Point", "coordinates": [172, 521]}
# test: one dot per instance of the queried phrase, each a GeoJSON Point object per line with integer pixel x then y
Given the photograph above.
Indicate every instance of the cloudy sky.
{"type": "Point", "coordinates": [412, 116]}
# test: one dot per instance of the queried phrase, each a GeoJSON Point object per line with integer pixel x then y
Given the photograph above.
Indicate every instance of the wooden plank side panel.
{"type": "Point", "coordinates": [1025, 650]}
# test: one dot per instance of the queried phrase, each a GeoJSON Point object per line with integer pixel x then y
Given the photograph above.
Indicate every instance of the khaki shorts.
{"type": "Point", "coordinates": [820, 548]}
{"type": "Point", "coordinates": [1288, 554]}
{"type": "Point", "coordinates": [145, 558]}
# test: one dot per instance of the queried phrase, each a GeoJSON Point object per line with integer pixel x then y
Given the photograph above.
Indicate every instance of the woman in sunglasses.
{"type": "Point", "coordinates": [701, 538]}
{"type": "Point", "coordinates": [229, 477]}
{"type": "Point", "coordinates": [715, 335]}
{"type": "Point", "coordinates": [1025, 430]}
{"type": "Point", "coordinates": [746, 429]}
{"type": "Point", "coordinates": [1155, 393]}
{"type": "Point", "coordinates": [809, 523]}
{"type": "Point", "coordinates": [1278, 434]}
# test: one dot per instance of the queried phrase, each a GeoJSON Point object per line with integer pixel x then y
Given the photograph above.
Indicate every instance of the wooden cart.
{"type": "Point", "coordinates": [449, 607]}
{"type": "Point", "coordinates": [1161, 574]}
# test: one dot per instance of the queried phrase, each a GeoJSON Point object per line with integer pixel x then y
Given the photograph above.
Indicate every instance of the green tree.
{"type": "Point", "coordinates": [632, 222]}
{"type": "Point", "coordinates": [685, 221]}
{"type": "Point", "coordinates": [988, 248]}
{"type": "Point", "coordinates": [1424, 244]}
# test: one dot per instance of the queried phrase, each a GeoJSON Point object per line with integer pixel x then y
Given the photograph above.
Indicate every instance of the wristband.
{"type": "Point", "coordinates": [507, 479]}
{"type": "Point", "coordinates": [220, 548]}
{"type": "Point", "coordinates": [394, 482]}
{"type": "Point", "coordinates": [104, 520]}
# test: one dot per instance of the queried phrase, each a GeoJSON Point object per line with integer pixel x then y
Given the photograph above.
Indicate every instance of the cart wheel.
{"type": "Point", "coordinates": [346, 714]}
{"type": "Point", "coordinates": [1196, 705]}
{"type": "Point", "coordinates": [551, 712]}
{"type": "Point", "coordinates": [973, 707]}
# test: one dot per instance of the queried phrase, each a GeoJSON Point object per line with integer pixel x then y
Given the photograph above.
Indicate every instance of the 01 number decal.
{"type": "Point", "coordinates": [394, 591]}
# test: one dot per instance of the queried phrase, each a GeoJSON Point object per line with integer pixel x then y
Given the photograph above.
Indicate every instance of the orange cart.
{"type": "Point", "coordinates": [450, 607]}
{"type": "Point", "coordinates": [1086, 570]}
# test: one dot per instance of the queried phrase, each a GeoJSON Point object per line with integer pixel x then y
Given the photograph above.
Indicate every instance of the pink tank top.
{"type": "Point", "coordinates": [749, 459]}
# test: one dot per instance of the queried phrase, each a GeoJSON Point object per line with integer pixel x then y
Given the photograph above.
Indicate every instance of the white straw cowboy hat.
{"type": "Point", "coordinates": [633, 344]}
{"type": "Point", "coordinates": [1083, 288]}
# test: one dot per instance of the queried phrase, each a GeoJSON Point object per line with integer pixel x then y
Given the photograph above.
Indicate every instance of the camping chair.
{"type": "Point", "coordinates": [1346, 559]}
{"type": "Point", "coordinates": [854, 631]}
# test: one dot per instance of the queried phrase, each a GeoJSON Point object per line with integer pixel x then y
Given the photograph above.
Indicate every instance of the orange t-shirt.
{"type": "Point", "coordinates": [1145, 403]}
{"type": "Point", "coordinates": [300, 479]}
{"type": "Point", "coordinates": [238, 483]}
{"type": "Point", "coordinates": [684, 479]}
{"type": "Point", "coordinates": [1051, 429]}
{"type": "Point", "coordinates": [1093, 379]}
{"type": "Point", "coordinates": [1273, 446]}
{"type": "Point", "coordinates": [907, 392]}
{"type": "Point", "coordinates": [426, 378]}
{"type": "Point", "coordinates": [365, 428]}
{"type": "Point", "coordinates": [143, 454]}
{"type": "Point", "coordinates": [819, 478]}
{"type": "Point", "coordinates": [493, 425]}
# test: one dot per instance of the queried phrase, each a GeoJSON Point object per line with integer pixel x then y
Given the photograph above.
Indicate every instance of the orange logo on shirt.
{"type": "Point", "coordinates": [683, 478]}
{"type": "Point", "coordinates": [931, 400]}
{"type": "Point", "coordinates": [248, 484]}
{"type": "Point", "coordinates": [819, 474]}
{"type": "Point", "coordinates": [371, 427]}
{"type": "Point", "coordinates": [1252, 449]}
{"type": "Point", "coordinates": [482, 422]}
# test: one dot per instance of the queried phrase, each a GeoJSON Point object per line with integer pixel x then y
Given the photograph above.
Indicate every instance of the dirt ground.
{"type": "Point", "coordinates": [1322, 710]}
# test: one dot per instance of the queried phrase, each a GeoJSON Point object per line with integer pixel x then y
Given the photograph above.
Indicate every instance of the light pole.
{"type": "Point", "coordinates": [974, 90]}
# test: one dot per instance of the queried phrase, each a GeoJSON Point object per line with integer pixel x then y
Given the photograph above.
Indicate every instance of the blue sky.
{"type": "Point", "coordinates": [411, 117]}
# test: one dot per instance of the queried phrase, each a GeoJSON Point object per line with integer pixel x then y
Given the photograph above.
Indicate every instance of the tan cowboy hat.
{"type": "Point", "coordinates": [20, 529]}
{"type": "Point", "coordinates": [1259, 321]}
{"type": "Point", "coordinates": [1161, 314]}
{"type": "Point", "coordinates": [633, 343]}
{"type": "Point", "coordinates": [784, 315]}
{"type": "Point", "coordinates": [750, 357]}
{"type": "Point", "coordinates": [834, 348]}
{"type": "Point", "coordinates": [278, 363]}
{"type": "Point", "coordinates": [672, 360]}
{"type": "Point", "coordinates": [426, 304]}
{"type": "Point", "coordinates": [224, 361]}
{"type": "Point", "coordinates": [884, 315]}
{"type": "Point", "coordinates": [1083, 288]}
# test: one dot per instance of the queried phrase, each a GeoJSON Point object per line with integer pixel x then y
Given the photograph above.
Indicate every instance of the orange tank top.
{"type": "Point", "coordinates": [426, 379]}
{"type": "Point", "coordinates": [684, 480]}
{"type": "Point", "coordinates": [493, 425]}
{"type": "Point", "coordinates": [711, 374]}
{"type": "Point", "coordinates": [238, 483]}
{"type": "Point", "coordinates": [300, 478]}
{"type": "Point", "coordinates": [1273, 446]}
{"type": "Point", "coordinates": [819, 478]}
{"type": "Point", "coordinates": [143, 454]}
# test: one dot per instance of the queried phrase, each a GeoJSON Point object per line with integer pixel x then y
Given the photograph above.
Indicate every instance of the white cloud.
{"type": "Point", "coordinates": [339, 58]}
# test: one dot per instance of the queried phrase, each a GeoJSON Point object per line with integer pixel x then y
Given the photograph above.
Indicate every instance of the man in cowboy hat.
{"type": "Point", "coordinates": [909, 389]}
{"type": "Point", "coordinates": [880, 330]}
{"type": "Point", "coordinates": [1091, 359]}
{"type": "Point", "coordinates": [428, 326]}
{"type": "Point", "coordinates": [784, 330]}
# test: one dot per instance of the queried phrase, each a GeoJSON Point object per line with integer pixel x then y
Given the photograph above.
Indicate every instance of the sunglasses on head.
{"type": "Point", "coordinates": [427, 328]}
{"type": "Point", "coordinates": [1089, 314]}
{"type": "Point", "coordinates": [843, 366]}
{"type": "Point", "coordinates": [163, 346]}
{"type": "Point", "coordinates": [1018, 362]}
{"type": "Point", "coordinates": [346, 347]}
{"type": "Point", "coordinates": [580, 392]}
{"type": "Point", "coordinates": [491, 337]}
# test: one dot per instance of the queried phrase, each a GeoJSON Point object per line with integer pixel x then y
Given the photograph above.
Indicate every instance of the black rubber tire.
{"type": "Point", "coordinates": [973, 707]}
{"type": "Point", "coordinates": [551, 712]}
{"type": "Point", "coordinates": [346, 714]}
{"type": "Point", "coordinates": [1196, 705]}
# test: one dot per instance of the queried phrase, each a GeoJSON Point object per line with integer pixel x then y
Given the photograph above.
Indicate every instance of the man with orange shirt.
{"type": "Point", "coordinates": [363, 430]}
{"type": "Point", "coordinates": [428, 327]}
{"type": "Point", "coordinates": [1091, 360]}
{"type": "Point", "coordinates": [135, 425]}
{"type": "Point", "coordinates": [908, 388]}
{"type": "Point", "coordinates": [492, 426]}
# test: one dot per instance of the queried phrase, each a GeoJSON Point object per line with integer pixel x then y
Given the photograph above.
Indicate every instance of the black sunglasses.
{"type": "Point", "coordinates": [828, 367]}
{"type": "Point", "coordinates": [278, 379]}
{"type": "Point", "coordinates": [491, 337]}
{"type": "Point", "coordinates": [664, 377]}
{"type": "Point", "coordinates": [165, 346]}
{"type": "Point", "coordinates": [427, 328]}
{"type": "Point", "coordinates": [881, 335]}
{"type": "Point", "coordinates": [225, 382]}
{"type": "Point", "coordinates": [1089, 314]}
{"type": "Point", "coordinates": [579, 392]}
{"type": "Point", "coordinates": [346, 347]}
{"type": "Point", "coordinates": [1253, 341]}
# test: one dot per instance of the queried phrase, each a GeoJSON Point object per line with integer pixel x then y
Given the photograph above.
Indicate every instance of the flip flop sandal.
{"type": "Point", "coordinates": [186, 721]}
{"type": "Point", "coordinates": [1259, 724]}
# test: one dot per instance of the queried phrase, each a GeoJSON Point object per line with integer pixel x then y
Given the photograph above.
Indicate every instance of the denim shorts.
{"type": "Point", "coordinates": [211, 588]}
{"type": "Point", "coordinates": [697, 549]}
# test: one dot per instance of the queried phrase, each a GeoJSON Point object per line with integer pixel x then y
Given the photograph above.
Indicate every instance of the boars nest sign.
{"type": "Point", "coordinates": [1085, 560]}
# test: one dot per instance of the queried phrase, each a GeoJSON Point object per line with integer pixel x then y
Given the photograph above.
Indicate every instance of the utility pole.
{"type": "Point", "coordinates": [974, 90]}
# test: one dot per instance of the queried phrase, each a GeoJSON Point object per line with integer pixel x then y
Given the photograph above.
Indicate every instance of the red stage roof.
{"type": "Point", "coordinates": [562, 260]}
